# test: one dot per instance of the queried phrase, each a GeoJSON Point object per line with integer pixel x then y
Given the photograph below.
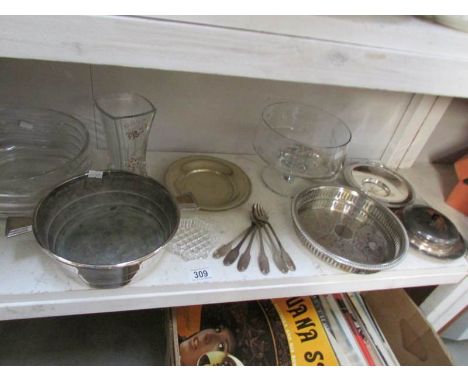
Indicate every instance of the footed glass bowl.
{"type": "Point", "coordinates": [300, 143]}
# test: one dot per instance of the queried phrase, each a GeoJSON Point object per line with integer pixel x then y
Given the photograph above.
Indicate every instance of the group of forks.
{"type": "Point", "coordinates": [259, 224]}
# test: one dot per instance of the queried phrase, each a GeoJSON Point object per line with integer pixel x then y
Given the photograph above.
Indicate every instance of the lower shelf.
{"type": "Point", "coordinates": [159, 337]}
{"type": "Point", "coordinates": [34, 285]}
{"type": "Point", "coordinates": [136, 338]}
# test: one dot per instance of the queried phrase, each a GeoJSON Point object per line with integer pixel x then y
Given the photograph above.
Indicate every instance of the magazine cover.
{"type": "Point", "coordinates": [367, 347]}
{"type": "Point", "coordinates": [346, 348]}
{"type": "Point", "coordinates": [254, 333]}
{"type": "Point", "coordinates": [373, 329]}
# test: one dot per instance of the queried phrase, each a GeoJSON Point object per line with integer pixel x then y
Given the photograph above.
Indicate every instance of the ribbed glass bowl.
{"type": "Point", "coordinates": [39, 148]}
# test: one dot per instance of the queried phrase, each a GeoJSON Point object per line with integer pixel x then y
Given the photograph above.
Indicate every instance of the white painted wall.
{"type": "Point", "coordinates": [199, 112]}
{"type": "Point", "coordinates": [450, 135]}
{"type": "Point", "coordinates": [47, 84]}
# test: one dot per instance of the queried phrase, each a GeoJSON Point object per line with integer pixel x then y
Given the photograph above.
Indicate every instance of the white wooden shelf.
{"type": "Point", "coordinates": [396, 53]}
{"type": "Point", "coordinates": [34, 285]}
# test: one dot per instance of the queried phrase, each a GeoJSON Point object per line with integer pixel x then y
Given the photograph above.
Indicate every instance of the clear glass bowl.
{"type": "Point", "coordinates": [299, 142]}
{"type": "Point", "coordinates": [39, 148]}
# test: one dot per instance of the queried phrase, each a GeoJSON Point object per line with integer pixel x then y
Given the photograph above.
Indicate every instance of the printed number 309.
{"type": "Point", "coordinates": [200, 274]}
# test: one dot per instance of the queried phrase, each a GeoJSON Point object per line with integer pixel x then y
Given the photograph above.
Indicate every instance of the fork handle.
{"type": "Point", "coordinates": [285, 255]}
{"type": "Point", "coordinates": [275, 235]}
{"type": "Point", "coordinates": [224, 249]}
{"type": "Point", "coordinates": [262, 258]}
{"type": "Point", "coordinates": [233, 254]}
{"type": "Point", "coordinates": [276, 254]}
{"type": "Point", "coordinates": [244, 260]}
{"type": "Point", "coordinates": [287, 259]}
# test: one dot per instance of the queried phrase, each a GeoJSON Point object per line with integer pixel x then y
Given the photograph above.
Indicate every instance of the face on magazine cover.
{"type": "Point", "coordinates": [207, 340]}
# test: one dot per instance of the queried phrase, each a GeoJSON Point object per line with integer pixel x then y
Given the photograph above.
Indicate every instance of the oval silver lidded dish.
{"type": "Point", "coordinates": [432, 233]}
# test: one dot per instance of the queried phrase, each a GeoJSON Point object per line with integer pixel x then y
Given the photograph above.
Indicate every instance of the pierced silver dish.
{"type": "Point", "coordinates": [348, 229]}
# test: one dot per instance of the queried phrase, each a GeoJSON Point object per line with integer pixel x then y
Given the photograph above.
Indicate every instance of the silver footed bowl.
{"type": "Point", "coordinates": [106, 227]}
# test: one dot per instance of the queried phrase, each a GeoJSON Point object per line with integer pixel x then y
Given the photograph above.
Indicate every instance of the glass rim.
{"type": "Point", "coordinates": [308, 106]}
{"type": "Point", "coordinates": [152, 108]}
{"type": "Point", "coordinates": [83, 150]}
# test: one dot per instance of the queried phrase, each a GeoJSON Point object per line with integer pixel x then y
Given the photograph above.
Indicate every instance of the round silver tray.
{"type": "Point", "coordinates": [348, 229]}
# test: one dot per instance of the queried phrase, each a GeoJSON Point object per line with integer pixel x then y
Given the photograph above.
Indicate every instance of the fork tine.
{"type": "Point", "coordinates": [261, 213]}
{"type": "Point", "coordinates": [253, 213]}
{"type": "Point", "coordinates": [254, 208]}
{"type": "Point", "coordinates": [257, 212]}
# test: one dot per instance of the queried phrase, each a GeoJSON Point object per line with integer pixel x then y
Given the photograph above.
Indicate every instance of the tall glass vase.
{"type": "Point", "coordinates": [127, 119]}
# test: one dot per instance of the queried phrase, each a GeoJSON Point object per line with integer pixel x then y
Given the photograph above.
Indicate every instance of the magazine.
{"type": "Point", "coordinates": [362, 338]}
{"type": "Point", "coordinates": [330, 328]}
{"type": "Point", "coordinates": [267, 332]}
{"type": "Point", "coordinates": [347, 350]}
{"type": "Point", "coordinates": [373, 330]}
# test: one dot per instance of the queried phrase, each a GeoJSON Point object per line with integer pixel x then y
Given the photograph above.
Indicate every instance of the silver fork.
{"type": "Point", "coordinates": [276, 252]}
{"type": "Point", "coordinates": [262, 258]}
{"type": "Point", "coordinates": [244, 260]}
{"type": "Point", "coordinates": [261, 215]}
{"type": "Point", "coordinates": [263, 263]}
